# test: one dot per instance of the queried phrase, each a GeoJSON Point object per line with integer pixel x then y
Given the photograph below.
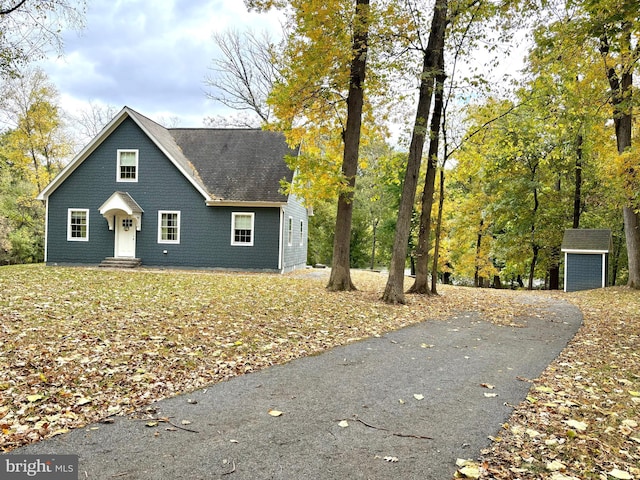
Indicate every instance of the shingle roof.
{"type": "Point", "coordinates": [587, 239]}
{"type": "Point", "coordinates": [237, 164]}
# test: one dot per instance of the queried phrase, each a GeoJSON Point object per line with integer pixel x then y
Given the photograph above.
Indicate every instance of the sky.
{"type": "Point", "coordinates": [150, 55]}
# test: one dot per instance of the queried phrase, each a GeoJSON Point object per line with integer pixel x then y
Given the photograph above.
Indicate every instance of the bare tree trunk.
{"type": "Point", "coordinates": [373, 243]}
{"type": "Point", "coordinates": [394, 290]}
{"type": "Point", "coordinates": [476, 275]}
{"type": "Point", "coordinates": [436, 249]}
{"type": "Point", "coordinates": [340, 278]}
{"type": "Point", "coordinates": [621, 90]}
{"type": "Point", "coordinates": [577, 194]}
{"type": "Point", "coordinates": [421, 282]}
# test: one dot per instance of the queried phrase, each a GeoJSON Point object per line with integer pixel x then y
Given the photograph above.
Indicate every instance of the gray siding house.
{"type": "Point", "coordinates": [586, 259]}
{"type": "Point", "coordinates": [207, 198]}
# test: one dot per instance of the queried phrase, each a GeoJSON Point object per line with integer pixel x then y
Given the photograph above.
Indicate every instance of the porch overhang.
{"type": "Point", "coordinates": [121, 203]}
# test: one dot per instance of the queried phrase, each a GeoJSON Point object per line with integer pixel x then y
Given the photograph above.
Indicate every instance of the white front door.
{"type": "Point", "coordinates": [125, 237]}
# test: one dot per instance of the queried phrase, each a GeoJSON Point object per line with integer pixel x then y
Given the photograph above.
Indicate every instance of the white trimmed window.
{"type": "Point", "coordinates": [78, 225]}
{"type": "Point", "coordinates": [301, 232]}
{"type": "Point", "coordinates": [290, 232]}
{"type": "Point", "coordinates": [127, 166]}
{"type": "Point", "coordinates": [168, 226]}
{"type": "Point", "coordinates": [242, 229]}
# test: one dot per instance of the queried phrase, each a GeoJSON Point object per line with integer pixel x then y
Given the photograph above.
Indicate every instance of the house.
{"type": "Point", "coordinates": [185, 197]}
{"type": "Point", "coordinates": [586, 259]}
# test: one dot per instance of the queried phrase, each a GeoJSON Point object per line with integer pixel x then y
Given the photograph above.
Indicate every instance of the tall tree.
{"type": "Point", "coordinates": [421, 283]}
{"type": "Point", "coordinates": [321, 94]}
{"type": "Point", "coordinates": [340, 278]}
{"type": "Point", "coordinates": [394, 289]}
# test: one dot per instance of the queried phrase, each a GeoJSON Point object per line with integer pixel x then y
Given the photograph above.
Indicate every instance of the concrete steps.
{"type": "Point", "coordinates": [113, 262]}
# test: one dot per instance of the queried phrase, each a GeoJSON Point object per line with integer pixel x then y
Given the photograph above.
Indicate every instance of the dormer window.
{"type": "Point", "coordinates": [127, 166]}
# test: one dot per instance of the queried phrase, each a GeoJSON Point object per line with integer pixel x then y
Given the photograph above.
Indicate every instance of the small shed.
{"type": "Point", "coordinates": [586, 259]}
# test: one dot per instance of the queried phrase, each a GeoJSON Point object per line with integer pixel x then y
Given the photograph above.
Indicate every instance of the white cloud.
{"type": "Point", "coordinates": [151, 55]}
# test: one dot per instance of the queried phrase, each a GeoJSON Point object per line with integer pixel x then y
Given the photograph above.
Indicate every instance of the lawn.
{"type": "Point", "coordinates": [79, 345]}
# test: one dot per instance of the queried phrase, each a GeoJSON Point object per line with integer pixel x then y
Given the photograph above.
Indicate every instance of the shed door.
{"type": "Point", "coordinates": [125, 237]}
{"type": "Point", "coordinates": [584, 271]}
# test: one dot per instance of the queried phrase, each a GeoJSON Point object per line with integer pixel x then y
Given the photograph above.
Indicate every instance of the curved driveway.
{"type": "Point", "coordinates": [422, 381]}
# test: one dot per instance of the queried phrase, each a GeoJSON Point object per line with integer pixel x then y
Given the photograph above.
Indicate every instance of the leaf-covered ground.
{"type": "Point", "coordinates": [581, 418]}
{"type": "Point", "coordinates": [79, 345]}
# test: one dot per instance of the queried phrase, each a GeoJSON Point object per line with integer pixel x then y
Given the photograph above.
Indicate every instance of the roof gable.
{"type": "Point", "coordinates": [224, 165]}
{"type": "Point", "coordinates": [588, 240]}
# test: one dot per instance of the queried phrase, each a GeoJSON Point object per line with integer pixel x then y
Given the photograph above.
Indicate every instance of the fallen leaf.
{"type": "Point", "coordinates": [83, 401]}
{"type": "Point", "coordinates": [275, 413]}
{"type": "Point", "coordinates": [418, 396]}
{"type": "Point", "coordinates": [34, 398]}
{"type": "Point", "coordinates": [470, 471]}
{"type": "Point", "coordinates": [151, 424]}
{"type": "Point", "coordinates": [555, 466]}
{"type": "Point", "coordinates": [561, 476]}
{"type": "Point", "coordinates": [343, 424]}
{"type": "Point", "coordinates": [544, 389]}
{"type": "Point", "coordinates": [487, 385]}
{"type": "Point", "coordinates": [580, 426]}
{"type": "Point", "coordinates": [185, 422]}
{"type": "Point", "coordinates": [490, 395]}
{"type": "Point", "coordinates": [620, 474]}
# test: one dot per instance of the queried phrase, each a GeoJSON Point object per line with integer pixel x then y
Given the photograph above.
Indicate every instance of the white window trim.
{"type": "Point", "coordinates": [163, 212]}
{"type": "Point", "coordinates": [290, 232]}
{"type": "Point", "coordinates": [301, 233]}
{"type": "Point", "coordinates": [233, 229]}
{"type": "Point", "coordinates": [77, 239]}
{"type": "Point", "coordinates": [127, 180]}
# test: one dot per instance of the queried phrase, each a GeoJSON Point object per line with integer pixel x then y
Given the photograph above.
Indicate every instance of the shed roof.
{"type": "Point", "coordinates": [587, 240]}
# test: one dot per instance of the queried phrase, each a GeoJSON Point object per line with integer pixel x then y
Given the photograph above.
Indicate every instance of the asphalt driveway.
{"type": "Point", "coordinates": [413, 401]}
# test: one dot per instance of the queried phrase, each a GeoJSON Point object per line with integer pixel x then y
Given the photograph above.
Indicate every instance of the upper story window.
{"type": "Point", "coordinates": [78, 225]}
{"type": "Point", "coordinates": [127, 166]}
{"type": "Point", "coordinates": [242, 229]}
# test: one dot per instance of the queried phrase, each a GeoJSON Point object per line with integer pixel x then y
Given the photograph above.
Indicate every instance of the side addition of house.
{"type": "Point", "coordinates": [207, 198]}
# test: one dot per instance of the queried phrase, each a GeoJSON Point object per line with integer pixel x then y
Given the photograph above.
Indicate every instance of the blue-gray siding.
{"type": "Point", "coordinates": [205, 232]}
{"type": "Point", "coordinates": [294, 255]}
{"type": "Point", "coordinates": [584, 271]}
